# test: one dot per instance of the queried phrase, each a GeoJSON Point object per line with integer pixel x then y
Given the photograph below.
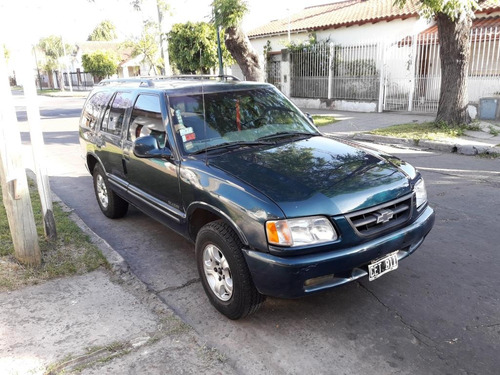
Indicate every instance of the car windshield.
{"type": "Point", "coordinates": [225, 119]}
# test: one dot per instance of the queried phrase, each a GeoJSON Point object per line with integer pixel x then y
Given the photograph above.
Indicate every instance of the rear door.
{"type": "Point", "coordinates": [110, 142]}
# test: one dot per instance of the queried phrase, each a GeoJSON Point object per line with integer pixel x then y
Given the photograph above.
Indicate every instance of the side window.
{"type": "Point", "coordinates": [146, 119]}
{"type": "Point", "coordinates": [93, 109]}
{"type": "Point", "coordinates": [115, 114]}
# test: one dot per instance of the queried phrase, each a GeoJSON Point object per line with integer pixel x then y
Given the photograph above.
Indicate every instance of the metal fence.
{"type": "Point", "coordinates": [403, 75]}
{"type": "Point", "coordinates": [79, 80]}
{"type": "Point", "coordinates": [273, 71]}
{"type": "Point", "coordinates": [309, 71]}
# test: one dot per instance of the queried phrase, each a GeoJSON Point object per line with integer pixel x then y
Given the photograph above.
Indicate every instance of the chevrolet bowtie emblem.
{"type": "Point", "coordinates": [384, 215]}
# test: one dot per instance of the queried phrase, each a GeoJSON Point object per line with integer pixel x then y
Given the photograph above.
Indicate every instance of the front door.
{"type": "Point", "coordinates": [153, 182]}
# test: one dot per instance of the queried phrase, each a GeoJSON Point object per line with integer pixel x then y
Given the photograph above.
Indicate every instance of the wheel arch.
{"type": "Point", "coordinates": [201, 213]}
{"type": "Point", "coordinates": [92, 161]}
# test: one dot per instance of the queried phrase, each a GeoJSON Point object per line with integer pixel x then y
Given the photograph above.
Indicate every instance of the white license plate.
{"type": "Point", "coordinates": [383, 265]}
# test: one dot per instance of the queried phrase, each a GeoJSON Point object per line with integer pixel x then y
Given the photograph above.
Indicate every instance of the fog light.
{"type": "Point", "coordinates": [319, 280]}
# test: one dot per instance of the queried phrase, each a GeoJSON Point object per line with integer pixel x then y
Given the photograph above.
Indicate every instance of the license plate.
{"type": "Point", "coordinates": [383, 265]}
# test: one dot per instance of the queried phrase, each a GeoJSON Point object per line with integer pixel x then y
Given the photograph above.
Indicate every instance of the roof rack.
{"type": "Point", "coordinates": [226, 77]}
{"type": "Point", "coordinates": [150, 81]}
{"type": "Point", "coordinates": [142, 82]}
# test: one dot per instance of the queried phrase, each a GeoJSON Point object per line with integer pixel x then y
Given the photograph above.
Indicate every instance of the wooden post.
{"type": "Point", "coordinates": [37, 144]}
{"type": "Point", "coordinates": [16, 198]}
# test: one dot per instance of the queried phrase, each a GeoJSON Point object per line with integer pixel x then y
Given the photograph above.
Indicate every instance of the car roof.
{"type": "Point", "coordinates": [182, 84]}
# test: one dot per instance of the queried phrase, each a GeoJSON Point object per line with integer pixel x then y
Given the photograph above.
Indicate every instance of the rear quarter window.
{"type": "Point", "coordinates": [114, 117]}
{"type": "Point", "coordinates": [93, 109]}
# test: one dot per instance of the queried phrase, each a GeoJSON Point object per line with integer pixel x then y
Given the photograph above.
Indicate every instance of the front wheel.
{"type": "Point", "coordinates": [224, 273]}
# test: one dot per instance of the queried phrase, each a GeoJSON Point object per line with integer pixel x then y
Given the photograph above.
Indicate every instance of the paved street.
{"type": "Point", "coordinates": [439, 313]}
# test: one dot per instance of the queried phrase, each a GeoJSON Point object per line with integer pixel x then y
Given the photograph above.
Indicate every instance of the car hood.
{"type": "Point", "coordinates": [318, 175]}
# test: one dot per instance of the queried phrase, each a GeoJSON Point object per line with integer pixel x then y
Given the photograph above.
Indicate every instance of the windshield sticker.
{"type": "Point", "coordinates": [189, 137]}
{"type": "Point", "coordinates": [179, 117]}
{"type": "Point", "coordinates": [185, 131]}
{"type": "Point", "coordinates": [188, 145]}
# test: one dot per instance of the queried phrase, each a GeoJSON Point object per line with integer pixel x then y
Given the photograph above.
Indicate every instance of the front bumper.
{"type": "Point", "coordinates": [293, 277]}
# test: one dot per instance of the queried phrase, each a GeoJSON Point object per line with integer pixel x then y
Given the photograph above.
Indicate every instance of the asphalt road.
{"type": "Point", "coordinates": [439, 313]}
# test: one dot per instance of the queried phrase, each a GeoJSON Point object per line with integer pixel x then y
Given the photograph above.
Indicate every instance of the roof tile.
{"type": "Point", "coordinates": [346, 13]}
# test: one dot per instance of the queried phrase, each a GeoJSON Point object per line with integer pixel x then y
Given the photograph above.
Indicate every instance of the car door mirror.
{"type": "Point", "coordinates": [147, 147]}
{"type": "Point", "coordinates": [309, 117]}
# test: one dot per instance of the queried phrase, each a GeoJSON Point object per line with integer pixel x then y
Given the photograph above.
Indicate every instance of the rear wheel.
{"type": "Point", "coordinates": [110, 203]}
{"type": "Point", "coordinates": [224, 273]}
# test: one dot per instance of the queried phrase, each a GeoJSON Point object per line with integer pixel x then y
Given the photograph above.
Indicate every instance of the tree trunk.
{"type": "Point", "coordinates": [240, 48]}
{"type": "Point", "coordinates": [60, 78]}
{"type": "Point", "coordinates": [454, 40]}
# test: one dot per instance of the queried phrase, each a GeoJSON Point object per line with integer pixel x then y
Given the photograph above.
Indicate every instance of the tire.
{"type": "Point", "coordinates": [224, 273]}
{"type": "Point", "coordinates": [109, 202]}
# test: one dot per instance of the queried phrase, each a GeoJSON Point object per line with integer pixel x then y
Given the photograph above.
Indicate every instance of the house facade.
{"type": "Point", "coordinates": [370, 55]}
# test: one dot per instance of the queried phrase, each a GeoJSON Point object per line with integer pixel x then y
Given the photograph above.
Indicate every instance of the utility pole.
{"type": "Point", "coordinates": [219, 52]}
{"type": "Point", "coordinates": [37, 145]}
{"type": "Point", "coordinates": [166, 70]}
{"type": "Point", "coordinates": [15, 192]}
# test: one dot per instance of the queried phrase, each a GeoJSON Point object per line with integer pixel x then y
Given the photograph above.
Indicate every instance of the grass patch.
{"type": "Point", "coordinates": [425, 130]}
{"type": "Point", "coordinates": [494, 131]}
{"type": "Point", "coordinates": [72, 253]}
{"type": "Point", "coordinates": [488, 155]}
{"type": "Point", "coordinates": [47, 91]}
{"type": "Point", "coordinates": [320, 120]}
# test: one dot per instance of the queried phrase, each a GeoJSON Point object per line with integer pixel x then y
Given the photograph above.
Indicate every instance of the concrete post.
{"type": "Point", "coordinates": [285, 72]}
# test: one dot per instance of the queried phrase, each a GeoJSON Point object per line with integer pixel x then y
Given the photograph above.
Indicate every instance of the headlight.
{"type": "Point", "coordinates": [299, 232]}
{"type": "Point", "coordinates": [420, 192]}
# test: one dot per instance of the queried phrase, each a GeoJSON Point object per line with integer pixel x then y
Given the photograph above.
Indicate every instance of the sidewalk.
{"type": "Point", "coordinates": [100, 322]}
{"type": "Point", "coordinates": [356, 125]}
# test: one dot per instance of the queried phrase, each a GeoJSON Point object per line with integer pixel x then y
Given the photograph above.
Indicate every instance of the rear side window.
{"type": "Point", "coordinates": [115, 114]}
{"type": "Point", "coordinates": [93, 109]}
{"type": "Point", "coordinates": [146, 119]}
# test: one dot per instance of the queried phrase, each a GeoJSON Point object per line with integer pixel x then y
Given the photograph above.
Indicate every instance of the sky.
{"type": "Point", "coordinates": [26, 21]}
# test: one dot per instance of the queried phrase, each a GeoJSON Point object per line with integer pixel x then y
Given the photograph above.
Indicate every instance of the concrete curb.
{"type": "Point", "coordinates": [117, 263]}
{"type": "Point", "coordinates": [463, 148]}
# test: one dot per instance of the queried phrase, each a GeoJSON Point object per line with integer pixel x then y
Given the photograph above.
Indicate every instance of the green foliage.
{"type": "Point", "coordinates": [229, 13]}
{"type": "Point", "coordinates": [6, 53]}
{"type": "Point", "coordinates": [147, 44]}
{"type": "Point", "coordinates": [309, 44]}
{"type": "Point", "coordinates": [100, 64]}
{"type": "Point", "coordinates": [192, 47]}
{"type": "Point", "coordinates": [105, 31]}
{"type": "Point", "coordinates": [53, 49]}
{"type": "Point", "coordinates": [322, 120]}
{"type": "Point", "coordinates": [52, 46]}
{"type": "Point", "coordinates": [454, 9]}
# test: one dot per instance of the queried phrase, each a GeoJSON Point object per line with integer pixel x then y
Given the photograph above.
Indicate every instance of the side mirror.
{"type": "Point", "coordinates": [147, 147]}
{"type": "Point", "coordinates": [309, 117]}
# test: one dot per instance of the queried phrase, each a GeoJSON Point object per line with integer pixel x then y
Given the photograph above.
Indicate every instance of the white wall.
{"type": "Point", "coordinates": [348, 35]}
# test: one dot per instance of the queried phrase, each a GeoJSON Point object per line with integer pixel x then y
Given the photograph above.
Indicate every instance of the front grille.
{"type": "Point", "coordinates": [382, 217]}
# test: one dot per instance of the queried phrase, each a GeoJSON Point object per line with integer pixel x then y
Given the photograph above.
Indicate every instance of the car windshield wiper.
{"type": "Point", "coordinates": [287, 134]}
{"type": "Point", "coordinates": [229, 145]}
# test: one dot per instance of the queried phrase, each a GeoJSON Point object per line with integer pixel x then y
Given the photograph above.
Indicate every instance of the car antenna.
{"type": "Point", "coordinates": [204, 119]}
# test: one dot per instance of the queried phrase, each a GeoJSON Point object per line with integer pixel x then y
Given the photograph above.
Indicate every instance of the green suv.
{"type": "Point", "coordinates": [273, 206]}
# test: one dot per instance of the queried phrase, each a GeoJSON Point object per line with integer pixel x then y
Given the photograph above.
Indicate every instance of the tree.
{"type": "Point", "coordinates": [100, 64]}
{"type": "Point", "coordinates": [53, 48]}
{"type": "Point", "coordinates": [105, 31]}
{"type": "Point", "coordinates": [147, 46]}
{"type": "Point", "coordinates": [228, 15]}
{"type": "Point", "coordinates": [454, 20]}
{"type": "Point", "coordinates": [192, 48]}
